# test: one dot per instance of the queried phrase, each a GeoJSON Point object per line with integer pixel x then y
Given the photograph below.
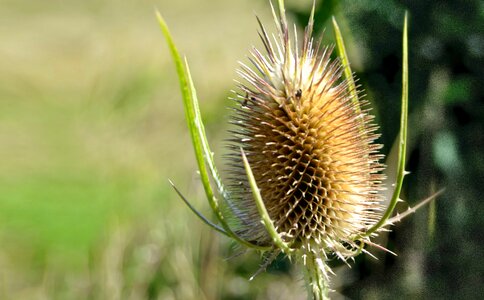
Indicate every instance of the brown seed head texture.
{"type": "Point", "coordinates": [310, 145]}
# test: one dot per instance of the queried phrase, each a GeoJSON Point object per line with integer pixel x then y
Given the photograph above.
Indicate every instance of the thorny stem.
{"type": "Point", "coordinates": [317, 276]}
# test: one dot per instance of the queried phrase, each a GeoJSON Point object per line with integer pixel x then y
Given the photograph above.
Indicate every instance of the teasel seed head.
{"type": "Point", "coordinates": [310, 144]}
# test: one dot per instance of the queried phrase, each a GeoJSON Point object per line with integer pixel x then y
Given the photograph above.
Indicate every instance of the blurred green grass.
{"type": "Point", "coordinates": [91, 128]}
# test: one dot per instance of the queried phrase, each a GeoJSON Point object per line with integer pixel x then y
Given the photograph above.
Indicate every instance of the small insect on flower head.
{"type": "Point", "coordinates": [310, 143]}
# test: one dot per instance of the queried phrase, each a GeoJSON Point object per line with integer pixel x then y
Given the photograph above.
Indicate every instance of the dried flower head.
{"type": "Point", "coordinates": [310, 144]}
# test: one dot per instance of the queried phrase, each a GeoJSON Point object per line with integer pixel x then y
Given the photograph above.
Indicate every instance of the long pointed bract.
{"type": "Point", "coordinates": [340, 46]}
{"type": "Point", "coordinates": [197, 213]}
{"type": "Point", "coordinates": [266, 219]}
{"type": "Point", "coordinates": [402, 136]}
{"type": "Point", "coordinates": [197, 132]}
{"type": "Point", "coordinates": [411, 210]}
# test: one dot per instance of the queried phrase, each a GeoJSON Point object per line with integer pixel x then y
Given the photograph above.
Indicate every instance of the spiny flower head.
{"type": "Point", "coordinates": [311, 146]}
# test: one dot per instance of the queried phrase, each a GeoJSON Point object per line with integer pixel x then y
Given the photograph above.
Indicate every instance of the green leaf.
{"type": "Point", "coordinates": [402, 143]}
{"type": "Point", "coordinates": [266, 219]}
{"type": "Point", "coordinates": [340, 46]}
{"type": "Point", "coordinates": [207, 153]}
{"type": "Point", "coordinates": [197, 213]}
{"type": "Point", "coordinates": [202, 150]}
{"type": "Point", "coordinates": [192, 110]}
{"type": "Point", "coordinates": [412, 210]}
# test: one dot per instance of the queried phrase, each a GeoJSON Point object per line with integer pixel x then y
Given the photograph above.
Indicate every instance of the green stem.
{"type": "Point", "coordinates": [317, 277]}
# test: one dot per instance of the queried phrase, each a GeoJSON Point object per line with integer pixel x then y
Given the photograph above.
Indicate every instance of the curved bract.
{"type": "Point", "coordinates": [202, 150]}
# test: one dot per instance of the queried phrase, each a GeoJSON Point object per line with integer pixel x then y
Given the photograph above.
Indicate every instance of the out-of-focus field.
{"type": "Point", "coordinates": [91, 128]}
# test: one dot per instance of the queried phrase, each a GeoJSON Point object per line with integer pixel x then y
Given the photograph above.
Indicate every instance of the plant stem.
{"type": "Point", "coordinates": [317, 276]}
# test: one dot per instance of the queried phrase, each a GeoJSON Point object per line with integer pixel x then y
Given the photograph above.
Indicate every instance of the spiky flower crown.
{"type": "Point", "coordinates": [310, 144]}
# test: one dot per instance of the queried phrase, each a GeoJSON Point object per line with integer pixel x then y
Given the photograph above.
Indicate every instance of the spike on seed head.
{"type": "Point", "coordinates": [310, 145]}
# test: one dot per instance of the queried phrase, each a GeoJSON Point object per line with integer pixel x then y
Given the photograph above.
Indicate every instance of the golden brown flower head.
{"type": "Point", "coordinates": [310, 144]}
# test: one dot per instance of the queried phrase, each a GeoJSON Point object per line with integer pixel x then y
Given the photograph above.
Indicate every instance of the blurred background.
{"type": "Point", "coordinates": [92, 127]}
